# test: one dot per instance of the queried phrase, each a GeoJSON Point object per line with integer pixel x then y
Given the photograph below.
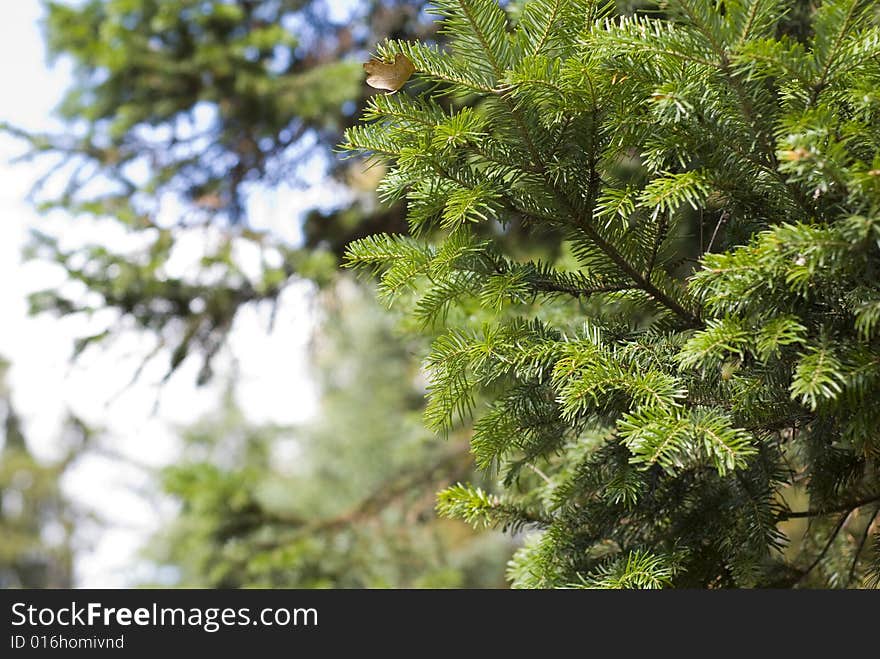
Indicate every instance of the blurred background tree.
{"type": "Point", "coordinates": [345, 501]}
{"type": "Point", "coordinates": [37, 520]}
{"type": "Point", "coordinates": [183, 116]}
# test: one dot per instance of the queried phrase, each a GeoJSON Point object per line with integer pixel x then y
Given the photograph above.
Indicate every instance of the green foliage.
{"type": "Point", "coordinates": [37, 518]}
{"type": "Point", "coordinates": [179, 115]}
{"type": "Point", "coordinates": [637, 570]}
{"type": "Point", "coordinates": [190, 314]}
{"type": "Point", "coordinates": [702, 348]}
{"type": "Point", "coordinates": [354, 508]}
{"type": "Point", "coordinates": [165, 82]}
{"type": "Point", "coordinates": [479, 508]}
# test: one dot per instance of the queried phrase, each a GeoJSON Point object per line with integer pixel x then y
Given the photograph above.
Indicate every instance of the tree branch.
{"type": "Point", "coordinates": [455, 461]}
{"type": "Point", "coordinates": [861, 545]}
{"type": "Point", "coordinates": [546, 286]}
{"type": "Point", "coordinates": [846, 507]}
{"type": "Point", "coordinates": [637, 278]}
{"type": "Point", "coordinates": [831, 538]}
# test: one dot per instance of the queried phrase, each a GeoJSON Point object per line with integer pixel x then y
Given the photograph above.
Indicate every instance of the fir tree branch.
{"type": "Point", "coordinates": [821, 512]}
{"type": "Point", "coordinates": [584, 223]}
{"type": "Point", "coordinates": [458, 460]}
{"type": "Point", "coordinates": [484, 41]}
{"type": "Point", "coordinates": [638, 279]}
{"type": "Point", "coordinates": [769, 162]}
{"type": "Point", "coordinates": [557, 287]}
{"type": "Point", "coordinates": [548, 27]}
{"type": "Point", "coordinates": [826, 69]}
{"type": "Point", "coordinates": [837, 527]}
{"type": "Point", "coordinates": [860, 547]}
{"type": "Point", "coordinates": [632, 272]}
{"type": "Point", "coordinates": [721, 220]}
{"type": "Point", "coordinates": [747, 28]}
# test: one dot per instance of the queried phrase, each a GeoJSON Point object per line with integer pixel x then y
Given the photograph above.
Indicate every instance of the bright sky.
{"type": "Point", "coordinates": [273, 385]}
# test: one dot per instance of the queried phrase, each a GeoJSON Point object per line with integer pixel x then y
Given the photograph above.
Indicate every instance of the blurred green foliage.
{"type": "Point", "coordinates": [344, 501]}
{"type": "Point", "coordinates": [37, 519]}
{"type": "Point", "coordinates": [180, 112]}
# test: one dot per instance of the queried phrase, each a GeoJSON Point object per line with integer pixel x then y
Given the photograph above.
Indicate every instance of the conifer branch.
{"type": "Point", "coordinates": [556, 287]}
{"type": "Point", "coordinates": [585, 224]}
{"type": "Point", "coordinates": [820, 84]}
{"type": "Point", "coordinates": [860, 546]}
{"type": "Point", "coordinates": [831, 538]}
{"type": "Point", "coordinates": [484, 41]}
{"type": "Point", "coordinates": [637, 278]}
{"type": "Point", "coordinates": [550, 20]}
{"type": "Point", "coordinates": [821, 512]}
{"type": "Point", "coordinates": [674, 388]}
{"type": "Point", "coordinates": [450, 467]}
{"type": "Point", "coordinates": [768, 162]}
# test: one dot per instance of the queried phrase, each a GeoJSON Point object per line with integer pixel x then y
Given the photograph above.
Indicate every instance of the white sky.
{"type": "Point", "coordinates": [273, 386]}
